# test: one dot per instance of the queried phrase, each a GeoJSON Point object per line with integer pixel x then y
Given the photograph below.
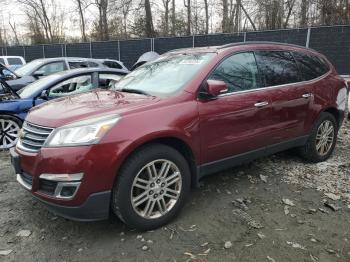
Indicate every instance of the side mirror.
{"type": "Point", "coordinates": [38, 74]}
{"type": "Point", "coordinates": [44, 95]}
{"type": "Point", "coordinates": [216, 87]}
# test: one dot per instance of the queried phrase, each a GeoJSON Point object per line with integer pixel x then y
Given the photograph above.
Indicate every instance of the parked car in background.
{"type": "Point", "coordinates": [7, 74]}
{"type": "Point", "coordinates": [143, 59]}
{"type": "Point", "coordinates": [139, 148]}
{"type": "Point", "coordinates": [38, 68]}
{"type": "Point", "coordinates": [113, 63]}
{"type": "Point", "coordinates": [12, 62]}
{"type": "Point", "coordinates": [15, 107]}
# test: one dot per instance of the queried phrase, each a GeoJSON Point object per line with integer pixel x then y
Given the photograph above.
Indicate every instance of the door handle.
{"type": "Point", "coordinates": [307, 95]}
{"type": "Point", "coordinates": [261, 104]}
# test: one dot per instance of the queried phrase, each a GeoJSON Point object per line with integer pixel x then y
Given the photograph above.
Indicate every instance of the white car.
{"type": "Point", "coordinates": [12, 62]}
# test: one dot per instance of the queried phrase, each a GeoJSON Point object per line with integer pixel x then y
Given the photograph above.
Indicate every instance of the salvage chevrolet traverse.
{"type": "Point", "coordinates": [137, 148]}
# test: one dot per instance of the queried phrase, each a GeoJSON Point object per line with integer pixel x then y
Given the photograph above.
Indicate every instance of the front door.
{"type": "Point", "coordinates": [237, 121]}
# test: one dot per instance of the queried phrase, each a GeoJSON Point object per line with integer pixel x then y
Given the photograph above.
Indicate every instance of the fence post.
{"type": "Point", "coordinates": [43, 46]}
{"type": "Point", "coordinates": [65, 49]}
{"type": "Point", "coordinates": [90, 49]}
{"type": "Point", "coordinates": [119, 50]}
{"type": "Point", "coordinates": [307, 44]}
{"type": "Point", "coordinates": [244, 36]}
{"type": "Point", "coordinates": [5, 50]}
{"type": "Point", "coordinates": [24, 53]}
{"type": "Point", "coordinates": [193, 41]}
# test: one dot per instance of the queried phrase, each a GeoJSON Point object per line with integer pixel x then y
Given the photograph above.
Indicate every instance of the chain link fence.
{"type": "Point", "coordinates": [332, 41]}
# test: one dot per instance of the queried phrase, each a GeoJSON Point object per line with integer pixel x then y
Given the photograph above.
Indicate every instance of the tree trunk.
{"type": "Point", "coordinates": [82, 20]}
{"type": "Point", "coordinates": [225, 16]}
{"type": "Point", "coordinates": [188, 7]}
{"type": "Point", "coordinates": [249, 18]}
{"type": "Point", "coordinates": [290, 8]}
{"type": "Point", "coordinates": [173, 19]}
{"type": "Point", "coordinates": [206, 7]}
{"type": "Point", "coordinates": [149, 22]}
{"type": "Point", "coordinates": [303, 10]}
{"type": "Point", "coordinates": [166, 16]}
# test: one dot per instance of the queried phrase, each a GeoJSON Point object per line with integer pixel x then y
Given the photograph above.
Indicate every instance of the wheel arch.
{"type": "Point", "coordinates": [335, 112]}
{"type": "Point", "coordinates": [8, 114]}
{"type": "Point", "coordinates": [172, 141]}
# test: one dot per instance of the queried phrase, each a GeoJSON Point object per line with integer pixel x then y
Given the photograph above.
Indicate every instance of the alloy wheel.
{"type": "Point", "coordinates": [9, 132]}
{"type": "Point", "coordinates": [156, 189]}
{"type": "Point", "coordinates": [325, 137]}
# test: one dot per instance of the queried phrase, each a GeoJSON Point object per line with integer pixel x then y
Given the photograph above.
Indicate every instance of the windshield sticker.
{"type": "Point", "coordinates": [191, 62]}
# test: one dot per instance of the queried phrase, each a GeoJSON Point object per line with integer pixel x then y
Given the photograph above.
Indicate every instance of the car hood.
{"type": "Point", "coordinates": [62, 111]}
{"type": "Point", "coordinates": [9, 97]}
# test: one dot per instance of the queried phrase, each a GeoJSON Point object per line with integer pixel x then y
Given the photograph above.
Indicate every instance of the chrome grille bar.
{"type": "Point", "coordinates": [33, 137]}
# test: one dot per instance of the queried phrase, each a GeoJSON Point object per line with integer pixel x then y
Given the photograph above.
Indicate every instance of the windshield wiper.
{"type": "Point", "coordinates": [136, 91]}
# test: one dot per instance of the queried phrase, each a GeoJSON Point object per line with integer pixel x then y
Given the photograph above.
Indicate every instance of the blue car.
{"type": "Point", "coordinates": [15, 106]}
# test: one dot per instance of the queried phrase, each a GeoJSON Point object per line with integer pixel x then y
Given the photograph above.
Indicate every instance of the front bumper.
{"type": "Point", "coordinates": [96, 207]}
{"type": "Point", "coordinates": [93, 206]}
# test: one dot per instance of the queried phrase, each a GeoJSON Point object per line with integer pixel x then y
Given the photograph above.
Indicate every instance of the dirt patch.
{"type": "Point", "coordinates": [277, 208]}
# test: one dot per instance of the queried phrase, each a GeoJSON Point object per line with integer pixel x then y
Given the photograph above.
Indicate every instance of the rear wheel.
{"type": "Point", "coordinates": [322, 139]}
{"type": "Point", "coordinates": [9, 131]}
{"type": "Point", "coordinates": [151, 187]}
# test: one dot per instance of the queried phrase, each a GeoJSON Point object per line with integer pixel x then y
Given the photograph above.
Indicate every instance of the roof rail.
{"type": "Point", "coordinates": [261, 42]}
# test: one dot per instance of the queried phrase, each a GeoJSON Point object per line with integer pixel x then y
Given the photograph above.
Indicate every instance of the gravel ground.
{"type": "Point", "coordinates": [277, 208]}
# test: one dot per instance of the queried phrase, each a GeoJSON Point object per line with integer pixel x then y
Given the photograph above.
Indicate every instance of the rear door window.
{"type": "Point", "coordinates": [310, 66]}
{"type": "Point", "coordinates": [238, 71]}
{"type": "Point", "coordinates": [277, 67]}
{"type": "Point", "coordinates": [77, 64]}
{"type": "Point", "coordinates": [52, 68]}
{"type": "Point", "coordinates": [14, 61]}
{"type": "Point", "coordinates": [112, 64]}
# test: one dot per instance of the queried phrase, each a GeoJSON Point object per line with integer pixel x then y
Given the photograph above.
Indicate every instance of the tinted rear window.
{"type": "Point", "coordinates": [111, 64]}
{"type": "Point", "coordinates": [14, 61]}
{"type": "Point", "coordinates": [277, 67]}
{"type": "Point", "coordinates": [2, 61]}
{"type": "Point", "coordinates": [310, 66]}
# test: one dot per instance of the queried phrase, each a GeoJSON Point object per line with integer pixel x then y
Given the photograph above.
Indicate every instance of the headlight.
{"type": "Point", "coordinates": [84, 132]}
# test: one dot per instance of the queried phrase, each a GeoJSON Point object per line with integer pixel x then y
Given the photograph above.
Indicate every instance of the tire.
{"type": "Point", "coordinates": [9, 131]}
{"type": "Point", "coordinates": [127, 191]}
{"type": "Point", "coordinates": [310, 150]}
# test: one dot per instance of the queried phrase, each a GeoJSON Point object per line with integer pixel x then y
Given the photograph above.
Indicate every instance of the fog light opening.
{"type": "Point", "coordinates": [68, 191]}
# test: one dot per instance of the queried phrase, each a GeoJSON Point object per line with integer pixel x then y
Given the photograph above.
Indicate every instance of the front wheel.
{"type": "Point", "coordinates": [151, 187]}
{"type": "Point", "coordinates": [322, 139]}
{"type": "Point", "coordinates": [9, 131]}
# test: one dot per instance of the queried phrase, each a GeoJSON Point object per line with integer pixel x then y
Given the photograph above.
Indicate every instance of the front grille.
{"type": "Point", "coordinates": [47, 186]}
{"type": "Point", "coordinates": [33, 137]}
{"type": "Point", "coordinates": [27, 178]}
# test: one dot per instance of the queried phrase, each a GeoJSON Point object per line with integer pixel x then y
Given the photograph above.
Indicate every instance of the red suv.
{"type": "Point", "coordinates": [138, 148]}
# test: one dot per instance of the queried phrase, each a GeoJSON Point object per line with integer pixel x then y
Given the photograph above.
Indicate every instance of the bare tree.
{"type": "Point", "coordinates": [14, 31]}
{"type": "Point", "coordinates": [173, 18]}
{"type": "Point", "coordinates": [81, 5]}
{"type": "Point", "coordinates": [188, 8]}
{"type": "Point", "coordinates": [102, 24]}
{"type": "Point", "coordinates": [166, 16]}
{"type": "Point", "coordinates": [206, 9]}
{"type": "Point", "coordinates": [149, 29]}
{"type": "Point", "coordinates": [225, 22]}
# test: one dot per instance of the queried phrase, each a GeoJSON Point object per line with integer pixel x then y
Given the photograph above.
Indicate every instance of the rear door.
{"type": "Point", "coordinates": [237, 121]}
{"type": "Point", "coordinates": [291, 99]}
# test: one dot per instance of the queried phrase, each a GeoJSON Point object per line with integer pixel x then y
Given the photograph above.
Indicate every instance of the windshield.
{"type": "Point", "coordinates": [27, 69]}
{"type": "Point", "coordinates": [164, 76]}
{"type": "Point", "coordinates": [36, 86]}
